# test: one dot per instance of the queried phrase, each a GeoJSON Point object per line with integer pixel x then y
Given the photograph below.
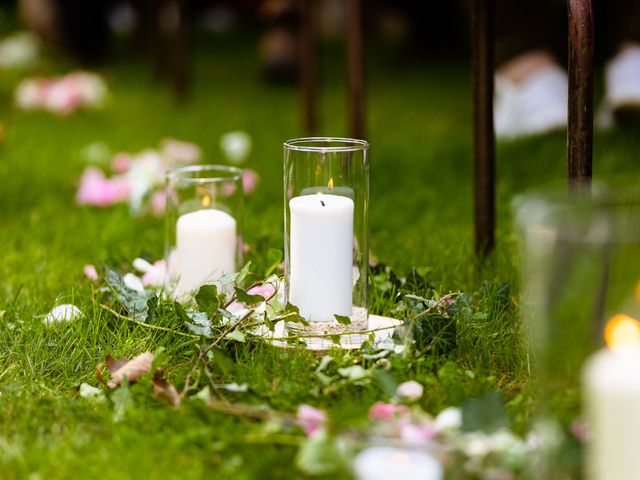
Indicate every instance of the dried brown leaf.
{"type": "Point", "coordinates": [114, 364]}
{"type": "Point", "coordinates": [132, 369]}
{"type": "Point", "coordinates": [164, 389]}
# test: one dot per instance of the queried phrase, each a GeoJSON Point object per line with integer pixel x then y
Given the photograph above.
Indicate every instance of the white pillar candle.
{"type": "Point", "coordinates": [321, 256]}
{"type": "Point", "coordinates": [391, 463]}
{"type": "Point", "coordinates": [611, 381]}
{"type": "Point", "coordinates": [205, 248]}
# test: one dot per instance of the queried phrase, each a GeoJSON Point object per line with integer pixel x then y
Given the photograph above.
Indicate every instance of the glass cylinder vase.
{"type": "Point", "coordinates": [581, 273]}
{"type": "Point", "coordinates": [204, 226]}
{"type": "Point", "coordinates": [326, 190]}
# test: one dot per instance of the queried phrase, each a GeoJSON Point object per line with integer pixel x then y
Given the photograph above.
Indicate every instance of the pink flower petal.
{"type": "Point", "coordinates": [417, 435]}
{"type": "Point", "coordinates": [95, 189]}
{"type": "Point", "coordinates": [250, 180]}
{"type": "Point", "coordinates": [159, 202]}
{"type": "Point", "coordinates": [181, 152]}
{"type": "Point", "coordinates": [310, 419]}
{"type": "Point", "coordinates": [121, 162]}
{"type": "Point", "coordinates": [387, 411]}
{"type": "Point", "coordinates": [410, 390]}
{"type": "Point", "coordinates": [266, 290]}
{"type": "Point", "coordinates": [90, 272]}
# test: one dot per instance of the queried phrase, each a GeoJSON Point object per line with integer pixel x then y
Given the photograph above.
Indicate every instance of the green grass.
{"type": "Point", "coordinates": [421, 215]}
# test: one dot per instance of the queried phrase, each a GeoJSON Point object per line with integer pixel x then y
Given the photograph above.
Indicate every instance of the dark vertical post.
{"type": "Point", "coordinates": [580, 129]}
{"type": "Point", "coordinates": [180, 67]}
{"type": "Point", "coordinates": [355, 68]}
{"type": "Point", "coordinates": [308, 69]}
{"type": "Point", "coordinates": [482, 46]}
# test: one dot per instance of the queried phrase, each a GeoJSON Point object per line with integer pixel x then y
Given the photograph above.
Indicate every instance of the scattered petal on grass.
{"type": "Point", "coordinates": [250, 180]}
{"type": "Point", "coordinates": [91, 393]}
{"type": "Point", "coordinates": [132, 369]}
{"type": "Point", "coordinates": [410, 391]}
{"type": "Point", "coordinates": [236, 146]}
{"type": "Point", "coordinates": [133, 282]}
{"type": "Point", "coordinates": [121, 162]}
{"type": "Point", "coordinates": [387, 411]}
{"type": "Point", "coordinates": [158, 202]}
{"type": "Point", "coordinates": [310, 419]}
{"type": "Point", "coordinates": [448, 419]}
{"type": "Point", "coordinates": [165, 390]}
{"type": "Point", "coordinates": [20, 50]}
{"type": "Point", "coordinates": [142, 265]}
{"type": "Point", "coordinates": [180, 152]}
{"type": "Point", "coordinates": [63, 313]}
{"type": "Point", "coordinates": [266, 290]}
{"type": "Point", "coordinates": [417, 435]}
{"type": "Point", "coordinates": [96, 189]}
{"type": "Point", "coordinates": [90, 272]}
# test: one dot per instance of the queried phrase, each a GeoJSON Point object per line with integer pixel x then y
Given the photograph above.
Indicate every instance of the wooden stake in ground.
{"type": "Point", "coordinates": [580, 127]}
{"type": "Point", "coordinates": [482, 45]}
{"type": "Point", "coordinates": [355, 68]}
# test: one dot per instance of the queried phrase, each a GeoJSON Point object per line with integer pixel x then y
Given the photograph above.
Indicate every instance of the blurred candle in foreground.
{"type": "Point", "coordinates": [205, 247]}
{"type": "Point", "coordinates": [392, 463]}
{"type": "Point", "coordinates": [611, 381]}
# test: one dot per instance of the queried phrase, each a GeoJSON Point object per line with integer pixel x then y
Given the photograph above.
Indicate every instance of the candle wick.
{"type": "Point", "coordinates": [322, 203]}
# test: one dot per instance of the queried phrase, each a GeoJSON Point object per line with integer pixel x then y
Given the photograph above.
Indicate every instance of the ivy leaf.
{"type": "Point", "coordinates": [243, 278]}
{"type": "Point", "coordinates": [247, 298]}
{"type": "Point", "coordinates": [293, 314]}
{"type": "Point", "coordinates": [207, 299]}
{"type": "Point", "coordinates": [343, 319]}
{"type": "Point", "coordinates": [133, 301]}
{"type": "Point", "coordinates": [200, 324]}
{"type": "Point", "coordinates": [268, 323]}
{"type": "Point", "coordinates": [274, 259]}
{"type": "Point", "coordinates": [335, 339]}
{"type": "Point", "coordinates": [236, 335]}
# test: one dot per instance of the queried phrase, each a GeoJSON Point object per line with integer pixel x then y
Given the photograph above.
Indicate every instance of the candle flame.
{"type": "Point", "coordinates": [330, 183]}
{"type": "Point", "coordinates": [622, 331]}
{"type": "Point", "coordinates": [206, 200]}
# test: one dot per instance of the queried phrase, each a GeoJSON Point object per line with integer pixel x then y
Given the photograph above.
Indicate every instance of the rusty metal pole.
{"type": "Point", "coordinates": [580, 126]}
{"type": "Point", "coordinates": [482, 47]}
{"type": "Point", "coordinates": [355, 69]}
{"type": "Point", "coordinates": [308, 67]}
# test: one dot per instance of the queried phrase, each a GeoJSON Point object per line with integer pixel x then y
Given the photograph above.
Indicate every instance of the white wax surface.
{"type": "Point", "coordinates": [612, 400]}
{"type": "Point", "coordinates": [205, 248]}
{"type": "Point", "coordinates": [321, 256]}
{"type": "Point", "coordinates": [390, 463]}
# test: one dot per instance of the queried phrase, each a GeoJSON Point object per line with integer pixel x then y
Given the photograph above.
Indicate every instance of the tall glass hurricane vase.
{"type": "Point", "coordinates": [204, 226]}
{"type": "Point", "coordinates": [326, 190]}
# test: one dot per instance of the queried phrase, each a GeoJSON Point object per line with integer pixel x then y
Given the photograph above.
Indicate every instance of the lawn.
{"type": "Point", "coordinates": [419, 127]}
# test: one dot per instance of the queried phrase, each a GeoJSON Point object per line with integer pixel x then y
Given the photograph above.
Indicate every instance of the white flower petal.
{"type": "Point", "coordinates": [133, 282]}
{"type": "Point", "coordinates": [62, 313]}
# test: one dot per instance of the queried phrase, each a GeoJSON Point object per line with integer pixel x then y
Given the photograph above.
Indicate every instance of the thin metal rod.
{"type": "Point", "coordinates": [482, 50]}
{"type": "Point", "coordinates": [580, 128]}
{"type": "Point", "coordinates": [308, 66]}
{"type": "Point", "coordinates": [355, 69]}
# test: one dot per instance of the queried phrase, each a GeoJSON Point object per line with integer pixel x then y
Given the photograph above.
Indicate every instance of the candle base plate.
{"type": "Point", "coordinates": [377, 330]}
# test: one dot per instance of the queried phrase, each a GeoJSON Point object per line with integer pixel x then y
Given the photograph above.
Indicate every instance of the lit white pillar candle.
{"type": "Point", "coordinates": [612, 399]}
{"type": "Point", "coordinates": [205, 247]}
{"type": "Point", "coordinates": [391, 463]}
{"type": "Point", "coordinates": [321, 256]}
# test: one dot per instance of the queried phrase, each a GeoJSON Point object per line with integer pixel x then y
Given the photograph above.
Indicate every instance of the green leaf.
{"type": "Point", "coordinates": [246, 298]}
{"type": "Point", "coordinates": [122, 401]}
{"type": "Point", "coordinates": [133, 301]}
{"type": "Point", "coordinates": [274, 259]}
{"type": "Point", "coordinates": [236, 335]}
{"type": "Point", "coordinates": [200, 324]}
{"type": "Point", "coordinates": [207, 299]}
{"type": "Point", "coordinates": [343, 319]}
{"type": "Point", "coordinates": [293, 314]}
{"type": "Point", "coordinates": [318, 455]}
{"type": "Point", "coordinates": [243, 279]}
{"type": "Point", "coordinates": [335, 339]}
{"type": "Point", "coordinates": [486, 413]}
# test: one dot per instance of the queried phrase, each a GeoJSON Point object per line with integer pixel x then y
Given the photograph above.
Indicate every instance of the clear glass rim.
{"type": "Point", "coordinates": [214, 173]}
{"type": "Point", "coordinates": [306, 144]}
